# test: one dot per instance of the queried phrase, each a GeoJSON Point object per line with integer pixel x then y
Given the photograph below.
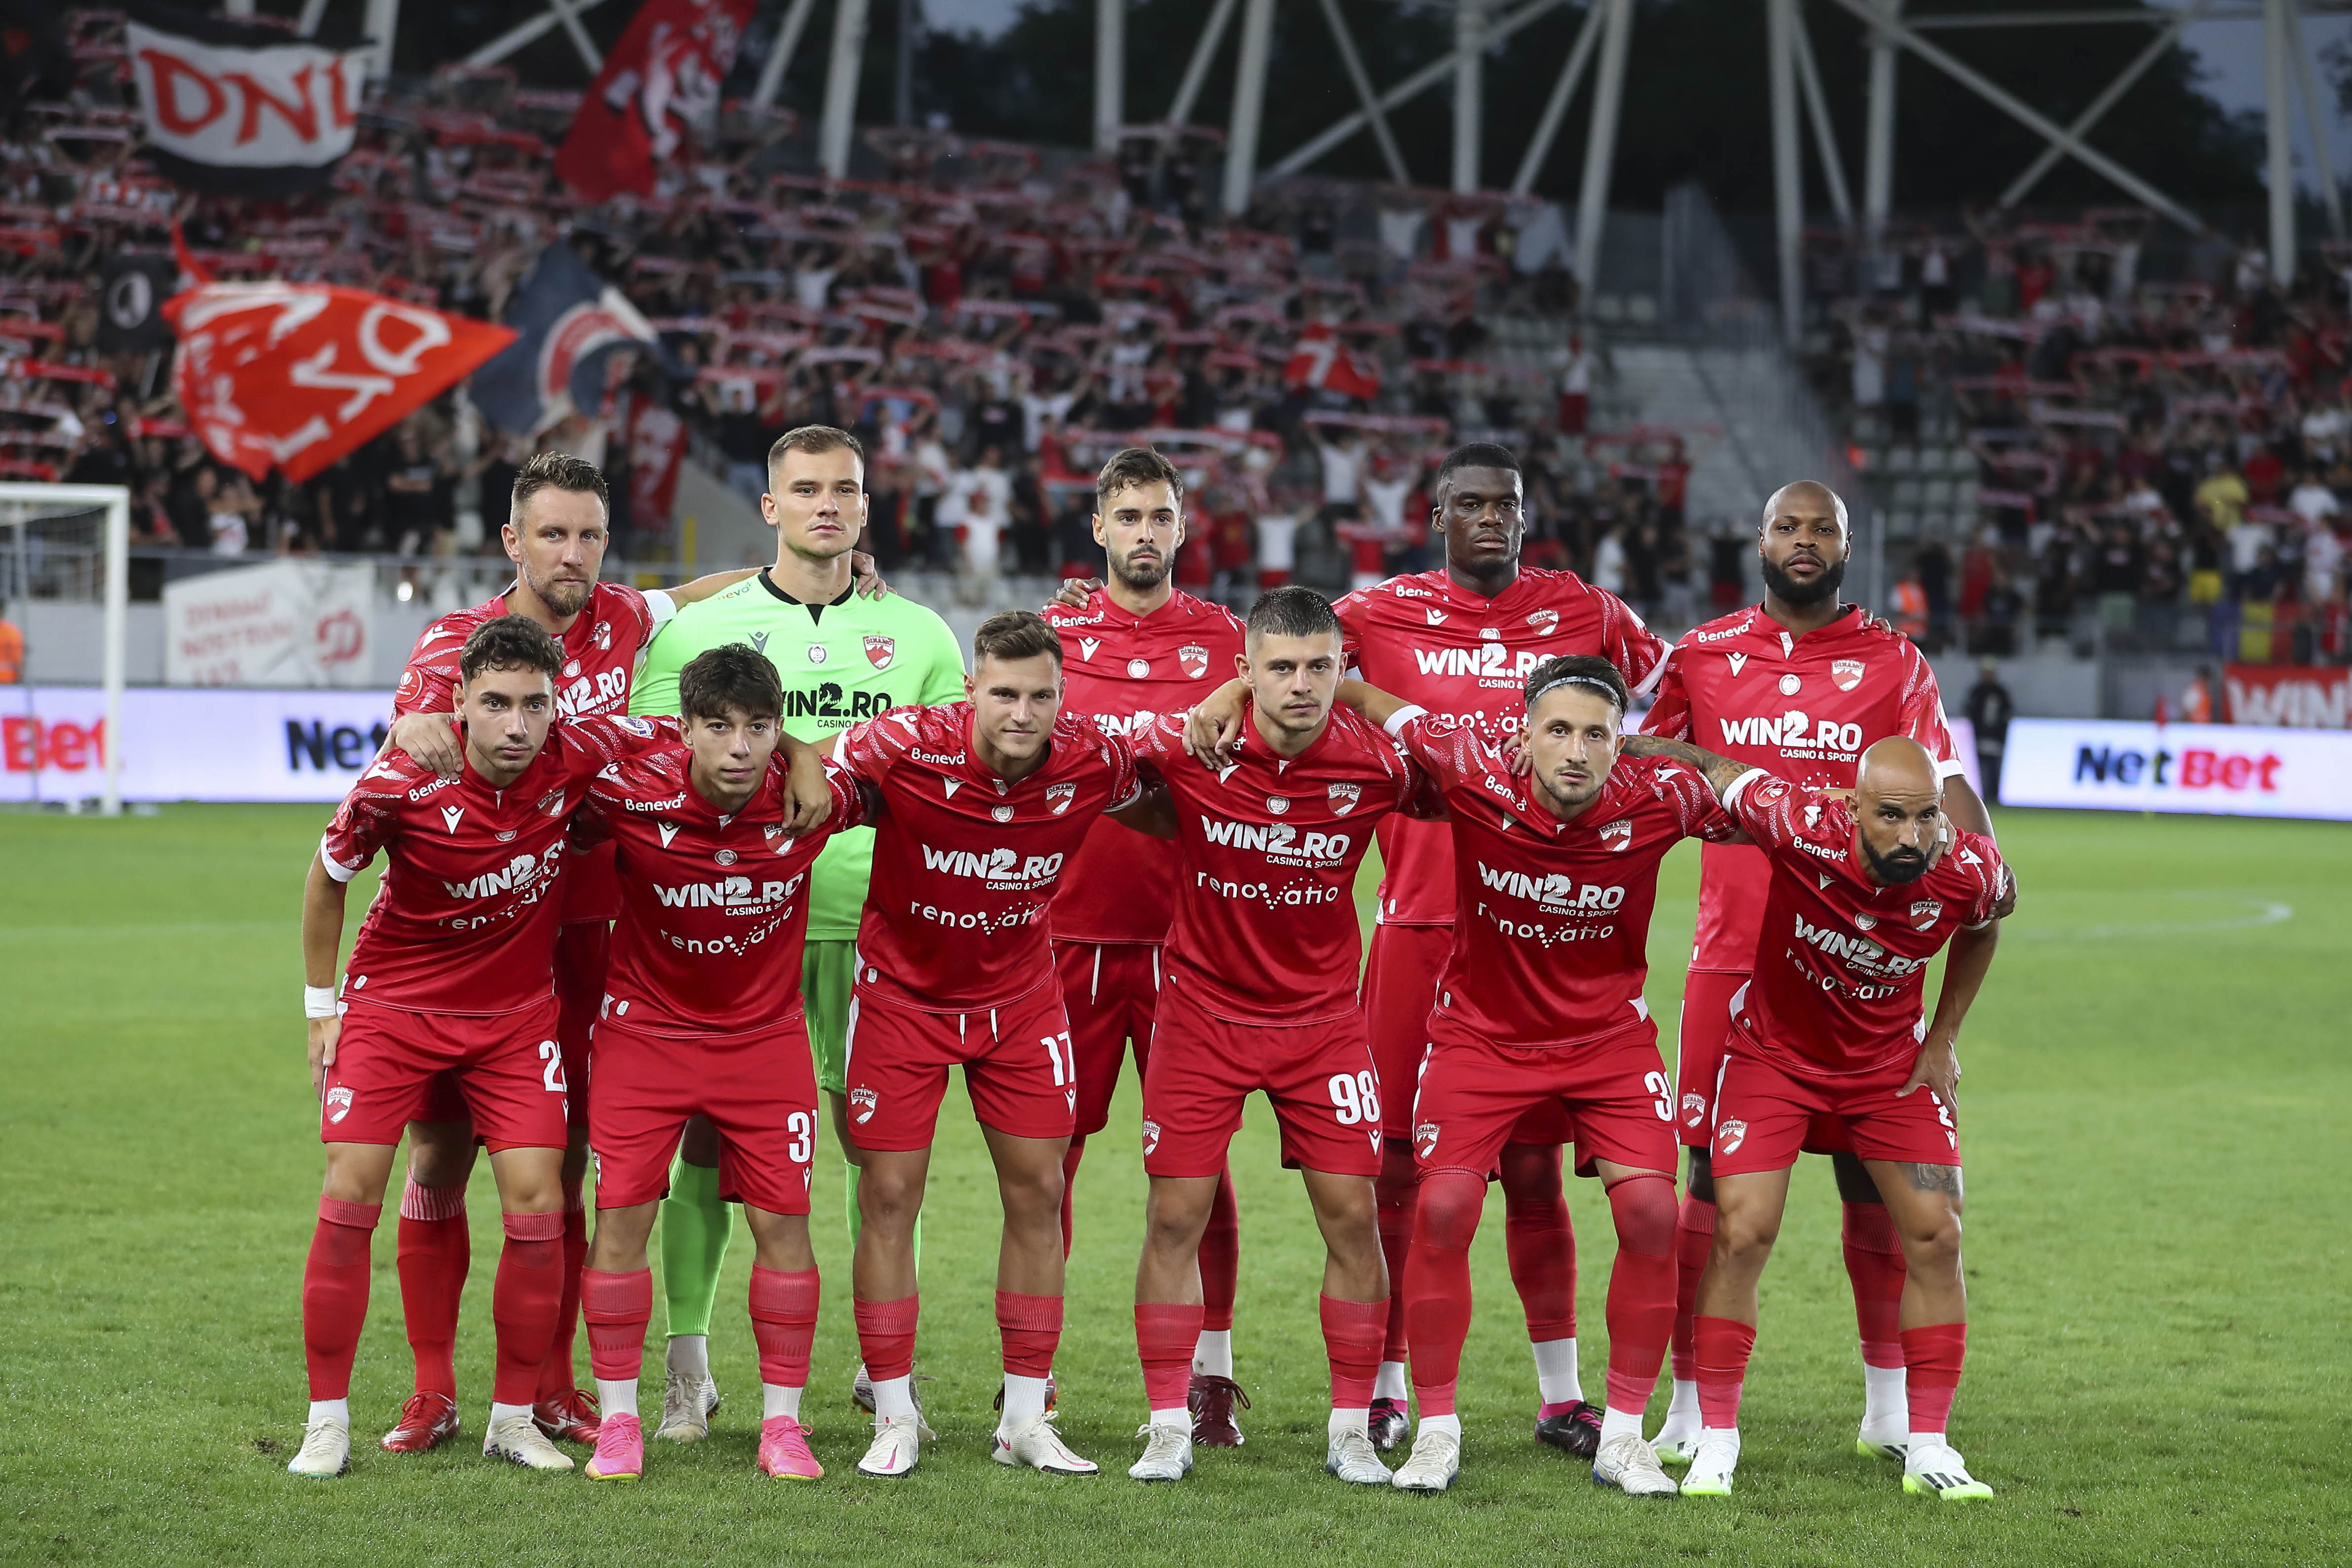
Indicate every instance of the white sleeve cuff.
{"type": "Point", "coordinates": [1949, 768]}
{"type": "Point", "coordinates": [1649, 682]}
{"type": "Point", "coordinates": [1739, 787]}
{"type": "Point", "coordinates": [334, 870]}
{"type": "Point", "coordinates": [660, 607]}
{"type": "Point", "coordinates": [1403, 716]}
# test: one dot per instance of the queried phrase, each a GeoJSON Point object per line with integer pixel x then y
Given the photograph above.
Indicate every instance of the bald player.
{"type": "Point", "coordinates": [1863, 893]}
{"type": "Point", "coordinates": [1798, 684]}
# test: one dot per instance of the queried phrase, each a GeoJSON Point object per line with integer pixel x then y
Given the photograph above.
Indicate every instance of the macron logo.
{"type": "Point", "coordinates": [668, 831]}
{"type": "Point", "coordinates": [1086, 647]}
{"type": "Point", "coordinates": [951, 785]}
{"type": "Point", "coordinates": [1738, 661]}
{"type": "Point", "coordinates": [1436, 618]}
{"type": "Point", "coordinates": [450, 815]}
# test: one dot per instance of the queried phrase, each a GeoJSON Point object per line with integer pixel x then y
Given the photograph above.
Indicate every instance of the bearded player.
{"type": "Point", "coordinates": [1799, 684]}
{"type": "Point", "coordinates": [1833, 1025]}
{"type": "Point", "coordinates": [1133, 650]}
{"type": "Point", "coordinates": [1260, 998]}
{"type": "Point", "coordinates": [842, 656]}
{"type": "Point", "coordinates": [556, 539]}
{"type": "Point", "coordinates": [702, 1017]}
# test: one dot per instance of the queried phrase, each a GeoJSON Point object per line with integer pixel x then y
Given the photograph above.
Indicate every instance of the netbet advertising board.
{"type": "Point", "coordinates": [2229, 769]}
{"type": "Point", "coordinates": [189, 744]}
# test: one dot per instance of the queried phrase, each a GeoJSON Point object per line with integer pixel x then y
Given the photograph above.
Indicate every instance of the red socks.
{"type": "Point", "coordinates": [1641, 1288]}
{"type": "Point", "coordinates": [1873, 1261]}
{"type": "Point", "coordinates": [617, 1307]}
{"type": "Point", "coordinates": [783, 1323]}
{"type": "Point", "coordinates": [1437, 1283]}
{"type": "Point", "coordinates": [1031, 1327]}
{"type": "Point", "coordinates": [1694, 1240]}
{"type": "Point", "coordinates": [524, 1302]}
{"type": "Point", "coordinates": [1165, 1333]}
{"type": "Point", "coordinates": [435, 1252]}
{"type": "Point", "coordinates": [1723, 1347]}
{"type": "Point", "coordinates": [1077, 1152]}
{"type": "Point", "coordinates": [335, 1293]}
{"type": "Point", "coordinates": [1393, 1194]}
{"type": "Point", "coordinates": [555, 1375]}
{"type": "Point", "coordinates": [1933, 1354]}
{"type": "Point", "coordinates": [1352, 1332]}
{"type": "Point", "coordinates": [1221, 1259]}
{"type": "Point", "coordinates": [1541, 1247]}
{"type": "Point", "coordinates": [886, 1336]}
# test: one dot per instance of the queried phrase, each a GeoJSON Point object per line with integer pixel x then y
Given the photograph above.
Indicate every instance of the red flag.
{"type": "Point", "coordinates": [656, 444]}
{"type": "Point", "coordinates": [658, 86]}
{"type": "Point", "coordinates": [1319, 359]}
{"type": "Point", "coordinates": [297, 375]}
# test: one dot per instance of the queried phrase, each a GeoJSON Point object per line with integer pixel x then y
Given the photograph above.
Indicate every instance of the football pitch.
{"type": "Point", "coordinates": [2157, 1261]}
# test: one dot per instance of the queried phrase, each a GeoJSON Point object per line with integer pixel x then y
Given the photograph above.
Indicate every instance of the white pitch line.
{"type": "Point", "coordinates": [2263, 912]}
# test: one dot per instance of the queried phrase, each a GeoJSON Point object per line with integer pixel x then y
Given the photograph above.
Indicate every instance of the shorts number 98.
{"type": "Point", "coordinates": [1356, 1097]}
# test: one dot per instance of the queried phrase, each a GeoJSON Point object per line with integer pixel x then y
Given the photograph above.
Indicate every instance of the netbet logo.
{"type": "Point", "coordinates": [1554, 890]}
{"type": "Point", "coordinates": [728, 892]}
{"type": "Point", "coordinates": [1790, 731]}
{"type": "Point", "coordinates": [1276, 840]}
{"type": "Point", "coordinates": [1491, 663]}
{"type": "Point", "coordinates": [998, 867]}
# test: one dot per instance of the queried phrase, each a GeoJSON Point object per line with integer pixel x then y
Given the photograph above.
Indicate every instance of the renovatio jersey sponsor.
{"type": "Point", "coordinates": [1466, 656]}
{"type": "Point", "coordinates": [965, 862]}
{"type": "Point", "coordinates": [1123, 671]}
{"type": "Point", "coordinates": [841, 664]}
{"type": "Point", "coordinates": [1800, 707]}
{"type": "Point", "coordinates": [601, 649]}
{"type": "Point", "coordinates": [1551, 944]}
{"type": "Point", "coordinates": [1843, 967]}
{"type": "Point", "coordinates": [713, 905]}
{"type": "Point", "coordinates": [462, 921]}
{"type": "Point", "coordinates": [1266, 905]}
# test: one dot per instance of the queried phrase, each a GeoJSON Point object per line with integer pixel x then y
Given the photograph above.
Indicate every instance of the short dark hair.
{"type": "Point", "coordinates": [729, 676]}
{"type": "Point", "coordinates": [509, 642]}
{"type": "Point", "coordinates": [1292, 612]}
{"type": "Point", "coordinates": [1473, 455]}
{"type": "Point", "coordinates": [1015, 634]}
{"type": "Point", "coordinates": [813, 440]}
{"type": "Point", "coordinates": [559, 472]}
{"type": "Point", "coordinates": [1135, 465]}
{"type": "Point", "coordinates": [1582, 670]}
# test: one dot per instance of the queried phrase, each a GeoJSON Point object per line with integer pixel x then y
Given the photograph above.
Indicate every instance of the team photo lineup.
{"type": "Point", "coordinates": [679, 885]}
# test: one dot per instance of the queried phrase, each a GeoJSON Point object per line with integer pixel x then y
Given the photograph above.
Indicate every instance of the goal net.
{"type": "Point", "coordinates": [65, 583]}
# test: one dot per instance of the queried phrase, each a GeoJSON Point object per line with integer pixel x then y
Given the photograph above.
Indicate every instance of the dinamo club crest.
{"type": "Point", "coordinates": [1545, 622]}
{"type": "Point", "coordinates": [1926, 913]}
{"type": "Point", "coordinates": [1424, 1139]}
{"type": "Point", "coordinates": [862, 1103]}
{"type": "Point", "coordinates": [1150, 1136]}
{"type": "Point", "coordinates": [1846, 673]}
{"type": "Point", "coordinates": [1194, 659]}
{"type": "Point", "coordinates": [1058, 797]}
{"type": "Point", "coordinates": [880, 651]}
{"type": "Point", "coordinates": [1344, 798]}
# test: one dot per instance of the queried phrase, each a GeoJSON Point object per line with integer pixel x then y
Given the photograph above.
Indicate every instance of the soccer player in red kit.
{"type": "Point", "coordinates": [980, 805]}
{"type": "Point", "coordinates": [1833, 1024]}
{"type": "Point", "coordinates": [1540, 1006]}
{"type": "Point", "coordinates": [556, 540]}
{"type": "Point", "coordinates": [1461, 642]}
{"type": "Point", "coordinates": [702, 1015]}
{"type": "Point", "coordinates": [452, 971]}
{"type": "Point", "coordinates": [1133, 650]}
{"type": "Point", "coordinates": [1798, 684]}
{"type": "Point", "coordinates": [1261, 997]}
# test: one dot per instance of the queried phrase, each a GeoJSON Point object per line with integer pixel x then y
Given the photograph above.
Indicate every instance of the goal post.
{"type": "Point", "coordinates": [73, 543]}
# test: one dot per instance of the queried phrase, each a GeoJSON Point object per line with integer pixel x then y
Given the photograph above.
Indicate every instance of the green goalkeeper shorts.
{"type": "Point", "coordinates": [826, 971]}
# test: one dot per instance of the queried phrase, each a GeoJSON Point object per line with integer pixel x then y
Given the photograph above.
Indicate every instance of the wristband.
{"type": "Point", "coordinates": [319, 1002]}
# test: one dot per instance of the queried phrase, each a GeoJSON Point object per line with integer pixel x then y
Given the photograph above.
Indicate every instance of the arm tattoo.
{"type": "Point", "coordinates": [1718, 772]}
{"type": "Point", "coordinates": [1934, 1178]}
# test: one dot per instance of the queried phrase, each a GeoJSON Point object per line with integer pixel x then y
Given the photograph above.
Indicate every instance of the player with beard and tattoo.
{"type": "Point", "coordinates": [1799, 684]}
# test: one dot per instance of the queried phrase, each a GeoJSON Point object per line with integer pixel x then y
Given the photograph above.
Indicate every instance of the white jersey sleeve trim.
{"type": "Point", "coordinates": [1739, 786]}
{"type": "Point", "coordinates": [1949, 768]}
{"type": "Point", "coordinates": [1649, 682]}
{"type": "Point", "coordinates": [327, 861]}
{"type": "Point", "coordinates": [660, 608]}
{"type": "Point", "coordinates": [1403, 716]}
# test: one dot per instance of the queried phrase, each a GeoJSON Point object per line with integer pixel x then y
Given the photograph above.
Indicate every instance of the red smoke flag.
{"type": "Point", "coordinates": [1320, 359]}
{"type": "Point", "coordinates": [658, 87]}
{"type": "Point", "coordinates": [296, 377]}
{"type": "Point", "coordinates": [656, 446]}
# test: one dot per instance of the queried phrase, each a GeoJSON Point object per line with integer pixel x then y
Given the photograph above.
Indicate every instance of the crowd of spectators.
{"type": "Point", "coordinates": [2152, 442]}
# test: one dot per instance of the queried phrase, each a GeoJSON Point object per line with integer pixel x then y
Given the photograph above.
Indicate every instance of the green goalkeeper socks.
{"type": "Point", "coordinates": [694, 1226]}
{"type": "Point", "coordinates": [856, 1221]}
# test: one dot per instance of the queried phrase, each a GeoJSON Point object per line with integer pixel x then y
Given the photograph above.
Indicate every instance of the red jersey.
{"type": "Point", "coordinates": [1800, 707]}
{"type": "Point", "coordinates": [1123, 671]}
{"type": "Point", "coordinates": [600, 654]}
{"type": "Point", "coordinates": [1266, 909]}
{"type": "Point", "coordinates": [1462, 655]}
{"type": "Point", "coordinates": [713, 908]}
{"type": "Point", "coordinates": [462, 921]}
{"type": "Point", "coordinates": [1552, 947]}
{"type": "Point", "coordinates": [965, 863]}
{"type": "Point", "coordinates": [1840, 974]}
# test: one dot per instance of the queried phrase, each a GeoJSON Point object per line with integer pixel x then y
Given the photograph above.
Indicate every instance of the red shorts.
{"type": "Point", "coordinates": [1400, 975]}
{"type": "Point", "coordinates": [507, 1068]}
{"type": "Point", "coordinates": [759, 1090]}
{"type": "Point", "coordinates": [1709, 999]}
{"type": "Point", "coordinates": [1015, 1060]}
{"type": "Point", "coordinates": [1764, 1115]}
{"type": "Point", "coordinates": [1110, 991]}
{"type": "Point", "coordinates": [1474, 1099]}
{"type": "Point", "coordinates": [583, 952]}
{"type": "Point", "coordinates": [1325, 1094]}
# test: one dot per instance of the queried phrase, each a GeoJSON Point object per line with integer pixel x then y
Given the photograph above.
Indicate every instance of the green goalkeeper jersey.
{"type": "Point", "coordinates": [839, 663]}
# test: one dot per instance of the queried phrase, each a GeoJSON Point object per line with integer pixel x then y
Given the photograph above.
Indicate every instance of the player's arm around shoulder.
{"type": "Point", "coordinates": [592, 743]}
{"type": "Point", "coordinates": [1720, 773]}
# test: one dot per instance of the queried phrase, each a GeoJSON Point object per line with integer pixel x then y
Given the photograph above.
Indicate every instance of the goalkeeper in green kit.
{"type": "Point", "coordinates": [843, 657]}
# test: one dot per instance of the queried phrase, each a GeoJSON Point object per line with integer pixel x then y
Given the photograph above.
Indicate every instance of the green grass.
{"type": "Point", "coordinates": [2156, 1253]}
